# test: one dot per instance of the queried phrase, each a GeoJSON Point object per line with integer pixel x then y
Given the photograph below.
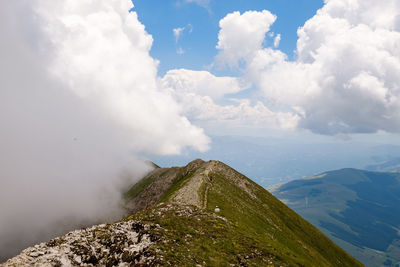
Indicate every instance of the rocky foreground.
{"type": "Point", "coordinates": [118, 244]}
{"type": "Point", "coordinates": [138, 240]}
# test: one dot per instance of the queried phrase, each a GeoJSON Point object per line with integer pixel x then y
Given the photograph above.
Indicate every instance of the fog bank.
{"type": "Point", "coordinates": [79, 97]}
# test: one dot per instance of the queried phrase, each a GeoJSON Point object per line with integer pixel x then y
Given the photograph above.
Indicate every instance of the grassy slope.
{"type": "Point", "coordinates": [251, 231]}
{"type": "Point", "coordinates": [141, 184]}
{"type": "Point", "coordinates": [139, 187]}
{"type": "Point", "coordinates": [270, 222]}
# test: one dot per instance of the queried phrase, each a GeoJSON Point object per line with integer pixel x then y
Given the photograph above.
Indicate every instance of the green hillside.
{"type": "Point", "coordinates": [251, 228]}
{"type": "Point", "coordinates": [359, 210]}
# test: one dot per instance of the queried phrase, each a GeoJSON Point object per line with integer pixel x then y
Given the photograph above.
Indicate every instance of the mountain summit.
{"type": "Point", "coordinates": [203, 214]}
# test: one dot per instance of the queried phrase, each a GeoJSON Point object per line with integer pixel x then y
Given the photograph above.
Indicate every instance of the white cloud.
{"type": "Point", "coordinates": [241, 35]}
{"type": "Point", "coordinates": [198, 92]}
{"type": "Point", "coordinates": [79, 97]}
{"type": "Point", "coordinates": [346, 76]}
{"type": "Point", "coordinates": [177, 33]}
{"type": "Point", "coordinates": [202, 83]}
{"type": "Point", "coordinates": [101, 52]}
{"type": "Point", "coordinates": [242, 113]}
{"type": "Point", "coordinates": [277, 40]}
{"type": "Point", "coordinates": [203, 96]}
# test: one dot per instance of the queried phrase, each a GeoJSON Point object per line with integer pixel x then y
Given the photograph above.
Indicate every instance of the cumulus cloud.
{"type": "Point", "coordinates": [101, 51]}
{"type": "Point", "coordinates": [79, 98]}
{"type": "Point", "coordinates": [199, 91]}
{"type": "Point", "coordinates": [202, 83]}
{"type": "Point", "coordinates": [241, 35]}
{"type": "Point", "coordinates": [346, 76]}
{"type": "Point", "coordinates": [242, 113]}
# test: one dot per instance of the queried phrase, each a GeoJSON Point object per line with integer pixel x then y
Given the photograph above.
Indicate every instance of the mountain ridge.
{"type": "Point", "coordinates": [176, 209]}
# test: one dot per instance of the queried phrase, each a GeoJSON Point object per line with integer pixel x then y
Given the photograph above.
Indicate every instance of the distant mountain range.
{"type": "Point", "coordinates": [359, 210]}
{"type": "Point", "coordinates": [203, 214]}
{"type": "Point", "coordinates": [269, 161]}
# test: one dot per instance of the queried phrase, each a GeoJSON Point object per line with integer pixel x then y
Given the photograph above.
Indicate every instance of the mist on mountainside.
{"type": "Point", "coordinates": [61, 163]}
{"type": "Point", "coordinates": [70, 124]}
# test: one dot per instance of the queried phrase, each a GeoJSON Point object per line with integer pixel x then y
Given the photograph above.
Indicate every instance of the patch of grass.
{"type": "Point", "coordinates": [272, 225]}
{"type": "Point", "coordinates": [199, 237]}
{"type": "Point", "coordinates": [139, 187]}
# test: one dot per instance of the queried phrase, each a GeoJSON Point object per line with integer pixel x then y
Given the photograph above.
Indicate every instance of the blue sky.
{"type": "Point", "coordinates": [160, 17]}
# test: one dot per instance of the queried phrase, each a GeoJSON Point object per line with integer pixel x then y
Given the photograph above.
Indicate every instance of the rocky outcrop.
{"type": "Point", "coordinates": [118, 244]}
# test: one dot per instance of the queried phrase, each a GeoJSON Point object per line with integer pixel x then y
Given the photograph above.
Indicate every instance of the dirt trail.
{"type": "Point", "coordinates": [205, 196]}
{"type": "Point", "coordinates": [189, 194]}
{"type": "Point", "coordinates": [208, 183]}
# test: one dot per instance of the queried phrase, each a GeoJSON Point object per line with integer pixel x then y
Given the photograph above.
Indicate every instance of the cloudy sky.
{"type": "Point", "coordinates": [86, 86]}
{"type": "Point", "coordinates": [329, 68]}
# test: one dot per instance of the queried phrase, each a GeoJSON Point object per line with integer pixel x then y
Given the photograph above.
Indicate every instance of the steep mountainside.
{"type": "Point", "coordinates": [203, 214]}
{"type": "Point", "coordinates": [359, 210]}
